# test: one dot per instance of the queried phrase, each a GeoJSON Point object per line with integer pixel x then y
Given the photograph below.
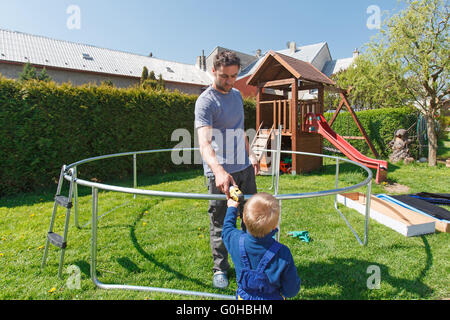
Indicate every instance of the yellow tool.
{"type": "Point", "coordinates": [236, 194]}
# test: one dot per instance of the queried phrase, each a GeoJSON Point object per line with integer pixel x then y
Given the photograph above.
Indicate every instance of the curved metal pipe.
{"type": "Point", "coordinates": [71, 175]}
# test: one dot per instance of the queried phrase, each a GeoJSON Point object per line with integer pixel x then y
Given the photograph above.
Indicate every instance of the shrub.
{"type": "Point", "coordinates": [45, 125]}
{"type": "Point", "coordinates": [380, 125]}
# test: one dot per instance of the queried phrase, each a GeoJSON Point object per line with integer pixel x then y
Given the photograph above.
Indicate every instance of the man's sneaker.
{"type": "Point", "coordinates": [220, 280]}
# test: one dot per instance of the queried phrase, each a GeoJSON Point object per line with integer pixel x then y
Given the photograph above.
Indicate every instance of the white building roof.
{"type": "Point", "coordinates": [334, 66]}
{"type": "Point", "coordinates": [43, 51]}
{"type": "Point", "coordinates": [305, 53]}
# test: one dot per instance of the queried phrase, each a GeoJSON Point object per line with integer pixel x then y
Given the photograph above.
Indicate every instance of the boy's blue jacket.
{"type": "Point", "coordinates": [281, 271]}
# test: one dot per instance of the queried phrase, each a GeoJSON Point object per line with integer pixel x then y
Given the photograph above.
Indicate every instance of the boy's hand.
{"type": "Point", "coordinates": [232, 203]}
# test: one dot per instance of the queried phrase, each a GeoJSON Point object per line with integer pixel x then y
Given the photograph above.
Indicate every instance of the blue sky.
{"type": "Point", "coordinates": [178, 30]}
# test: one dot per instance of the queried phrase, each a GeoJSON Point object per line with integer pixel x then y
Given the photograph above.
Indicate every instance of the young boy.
{"type": "Point", "coordinates": [265, 269]}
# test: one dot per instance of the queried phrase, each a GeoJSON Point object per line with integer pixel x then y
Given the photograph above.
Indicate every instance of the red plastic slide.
{"type": "Point", "coordinates": [316, 123]}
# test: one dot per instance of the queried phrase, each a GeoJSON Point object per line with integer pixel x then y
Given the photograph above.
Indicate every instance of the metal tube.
{"type": "Point", "coordinates": [223, 197]}
{"type": "Point", "coordinates": [278, 159]}
{"type": "Point", "coordinates": [66, 230]}
{"type": "Point", "coordinates": [336, 181]}
{"type": "Point", "coordinates": [96, 186]}
{"type": "Point", "coordinates": [94, 232]}
{"type": "Point", "coordinates": [366, 227]}
{"type": "Point", "coordinates": [75, 198]}
{"type": "Point", "coordinates": [134, 173]}
{"type": "Point", "coordinates": [52, 220]}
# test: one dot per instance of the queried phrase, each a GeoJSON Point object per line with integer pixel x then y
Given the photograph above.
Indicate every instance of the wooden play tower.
{"type": "Point", "coordinates": [280, 79]}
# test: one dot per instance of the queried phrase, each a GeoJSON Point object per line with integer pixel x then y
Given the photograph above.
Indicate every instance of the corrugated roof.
{"type": "Point", "coordinates": [334, 66]}
{"type": "Point", "coordinates": [38, 50]}
{"type": "Point", "coordinates": [299, 69]}
{"type": "Point", "coordinates": [305, 53]}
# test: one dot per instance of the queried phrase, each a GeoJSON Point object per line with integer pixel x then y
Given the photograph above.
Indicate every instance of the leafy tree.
{"type": "Point", "coordinates": [144, 75]}
{"type": "Point", "coordinates": [161, 83]}
{"type": "Point", "coordinates": [370, 86]}
{"type": "Point", "coordinates": [408, 63]}
{"type": "Point", "coordinates": [43, 76]}
{"type": "Point", "coordinates": [29, 73]}
{"type": "Point", "coordinates": [107, 83]}
{"type": "Point", "coordinates": [151, 75]}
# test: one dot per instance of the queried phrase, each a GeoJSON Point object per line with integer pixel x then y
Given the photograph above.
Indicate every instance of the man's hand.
{"type": "Point", "coordinates": [255, 163]}
{"type": "Point", "coordinates": [224, 181]}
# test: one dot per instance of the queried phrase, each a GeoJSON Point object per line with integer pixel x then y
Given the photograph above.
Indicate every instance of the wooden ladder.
{"type": "Point", "coordinates": [261, 141]}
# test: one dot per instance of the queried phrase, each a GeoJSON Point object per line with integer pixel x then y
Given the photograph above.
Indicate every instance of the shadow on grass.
{"type": "Point", "coordinates": [351, 276]}
{"type": "Point", "coordinates": [48, 194]}
{"type": "Point", "coordinates": [166, 267]}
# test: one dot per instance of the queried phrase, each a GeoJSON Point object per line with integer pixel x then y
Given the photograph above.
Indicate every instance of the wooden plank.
{"type": "Point", "coordinates": [294, 115]}
{"type": "Point", "coordinates": [276, 83]}
{"type": "Point", "coordinates": [308, 87]}
{"type": "Point", "coordinates": [353, 138]}
{"type": "Point", "coordinates": [258, 108]}
{"type": "Point", "coordinates": [360, 127]}
{"type": "Point", "coordinates": [279, 113]}
{"type": "Point", "coordinates": [274, 113]}
{"type": "Point", "coordinates": [341, 104]}
{"type": "Point", "coordinates": [402, 220]}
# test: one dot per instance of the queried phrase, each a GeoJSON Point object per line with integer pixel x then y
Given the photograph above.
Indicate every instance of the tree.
{"type": "Point", "coordinates": [43, 76]}
{"type": "Point", "coordinates": [411, 56]}
{"type": "Point", "coordinates": [144, 75]}
{"type": "Point", "coordinates": [161, 83]}
{"type": "Point", "coordinates": [371, 86]}
{"type": "Point", "coordinates": [30, 73]}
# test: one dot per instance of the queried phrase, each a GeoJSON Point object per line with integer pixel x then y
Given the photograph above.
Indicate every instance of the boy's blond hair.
{"type": "Point", "coordinates": [261, 214]}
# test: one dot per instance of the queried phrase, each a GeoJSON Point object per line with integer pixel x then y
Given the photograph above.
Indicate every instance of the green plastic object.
{"type": "Point", "coordinates": [302, 235]}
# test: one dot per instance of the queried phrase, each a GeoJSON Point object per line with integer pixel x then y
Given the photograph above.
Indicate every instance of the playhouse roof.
{"type": "Point", "coordinates": [278, 66]}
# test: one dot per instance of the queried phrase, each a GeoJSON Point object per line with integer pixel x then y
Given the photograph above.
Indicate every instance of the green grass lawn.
{"type": "Point", "coordinates": [161, 242]}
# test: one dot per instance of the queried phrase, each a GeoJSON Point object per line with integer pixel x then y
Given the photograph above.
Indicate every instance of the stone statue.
{"type": "Point", "coordinates": [399, 146]}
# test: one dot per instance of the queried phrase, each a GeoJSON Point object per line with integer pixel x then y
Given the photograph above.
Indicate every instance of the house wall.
{"type": "Point", "coordinates": [322, 57]}
{"type": "Point", "coordinates": [12, 71]}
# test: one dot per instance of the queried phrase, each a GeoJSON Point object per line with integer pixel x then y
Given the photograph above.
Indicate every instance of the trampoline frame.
{"type": "Point", "coordinates": [69, 173]}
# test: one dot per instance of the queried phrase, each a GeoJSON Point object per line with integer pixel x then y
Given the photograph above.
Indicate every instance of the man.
{"type": "Point", "coordinates": [227, 159]}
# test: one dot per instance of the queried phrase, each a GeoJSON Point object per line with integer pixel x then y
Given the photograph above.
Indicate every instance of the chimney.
{"type": "Point", "coordinates": [201, 61]}
{"type": "Point", "coordinates": [292, 47]}
{"type": "Point", "coordinates": [355, 53]}
{"type": "Point", "coordinates": [203, 65]}
{"type": "Point", "coordinates": [258, 53]}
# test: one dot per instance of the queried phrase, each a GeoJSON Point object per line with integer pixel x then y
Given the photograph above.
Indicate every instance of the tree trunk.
{"type": "Point", "coordinates": [432, 141]}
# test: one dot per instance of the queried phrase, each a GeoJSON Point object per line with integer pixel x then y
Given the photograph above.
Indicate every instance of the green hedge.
{"type": "Point", "coordinates": [44, 125]}
{"type": "Point", "coordinates": [380, 125]}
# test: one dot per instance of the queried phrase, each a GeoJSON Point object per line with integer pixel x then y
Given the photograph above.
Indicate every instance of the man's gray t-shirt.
{"type": "Point", "coordinates": [225, 114]}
